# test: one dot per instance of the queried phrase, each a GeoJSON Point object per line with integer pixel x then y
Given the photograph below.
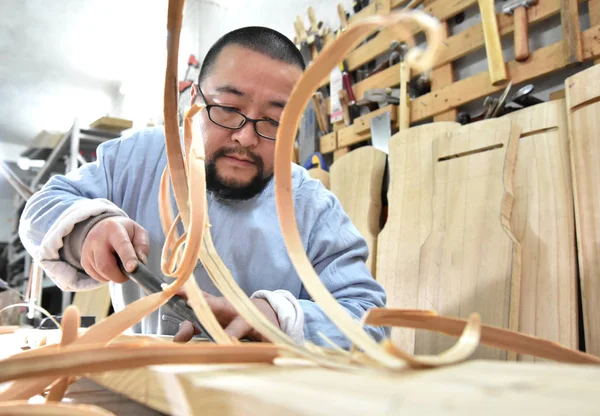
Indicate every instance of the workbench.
{"type": "Point", "coordinates": [472, 388]}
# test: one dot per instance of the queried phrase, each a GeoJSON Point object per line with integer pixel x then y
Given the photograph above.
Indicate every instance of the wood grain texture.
{"type": "Point", "coordinates": [583, 109]}
{"type": "Point", "coordinates": [470, 261]}
{"type": "Point", "coordinates": [442, 77]}
{"type": "Point", "coordinates": [594, 13]}
{"type": "Point", "coordinates": [356, 180]}
{"type": "Point", "coordinates": [543, 222]}
{"type": "Point", "coordinates": [408, 224]}
{"type": "Point", "coordinates": [571, 32]}
{"type": "Point", "coordinates": [473, 388]}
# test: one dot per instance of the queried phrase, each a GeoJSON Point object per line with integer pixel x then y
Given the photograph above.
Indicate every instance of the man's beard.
{"type": "Point", "coordinates": [221, 189]}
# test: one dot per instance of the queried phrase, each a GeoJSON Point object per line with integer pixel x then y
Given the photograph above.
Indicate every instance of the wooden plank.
{"type": "Point", "coordinates": [356, 180]}
{"type": "Point", "coordinates": [442, 77]}
{"type": "Point", "coordinates": [571, 31]}
{"type": "Point", "coordinates": [583, 107]}
{"type": "Point", "coordinates": [93, 302]}
{"type": "Point", "coordinates": [594, 14]}
{"type": "Point", "coordinates": [557, 95]}
{"type": "Point", "coordinates": [338, 153]}
{"type": "Point", "coordinates": [472, 388]}
{"type": "Point", "coordinates": [541, 62]}
{"type": "Point", "coordinates": [409, 219]}
{"type": "Point", "coordinates": [328, 143]}
{"type": "Point", "coordinates": [444, 9]}
{"type": "Point", "coordinates": [543, 222]}
{"type": "Point", "coordinates": [470, 262]}
{"type": "Point", "coordinates": [360, 130]}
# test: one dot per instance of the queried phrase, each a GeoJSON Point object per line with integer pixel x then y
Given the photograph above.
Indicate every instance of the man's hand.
{"type": "Point", "coordinates": [235, 326]}
{"type": "Point", "coordinates": [119, 235]}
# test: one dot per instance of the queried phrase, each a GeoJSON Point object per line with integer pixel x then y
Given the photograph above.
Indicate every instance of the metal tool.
{"type": "Point", "coordinates": [524, 98]}
{"type": "Point", "coordinates": [521, 35]}
{"type": "Point", "coordinates": [381, 131]}
{"type": "Point", "coordinates": [151, 283]}
{"type": "Point", "coordinates": [381, 96]}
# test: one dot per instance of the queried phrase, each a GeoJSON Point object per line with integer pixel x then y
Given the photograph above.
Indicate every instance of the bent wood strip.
{"type": "Point", "coordinates": [409, 219]}
{"type": "Point", "coordinates": [543, 222]}
{"type": "Point", "coordinates": [356, 180]}
{"type": "Point", "coordinates": [470, 261]}
{"type": "Point", "coordinates": [299, 98]}
{"type": "Point", "coordinates": [583, 107]}
{"type": "Point", "coordinates": [23, 407]}
{"type": "Point", "coordinates": [494, 337]}
{"type": "Point", "coordinates": [70, 361]}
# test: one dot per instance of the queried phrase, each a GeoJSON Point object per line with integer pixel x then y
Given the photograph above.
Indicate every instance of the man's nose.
{"type": "Point", "coordinates": [246, 136]}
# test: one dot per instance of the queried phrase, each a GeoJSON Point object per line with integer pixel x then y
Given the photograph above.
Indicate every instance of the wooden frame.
{"type": "Point", "coordinates": [447, 95]}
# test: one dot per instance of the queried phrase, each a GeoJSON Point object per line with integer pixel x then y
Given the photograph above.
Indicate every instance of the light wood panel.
{"type": "Point", "coordinates": [470, 261]}
{"type": "Point", "coordinates": [544, 224]}
{"type": "Point", "coordinates": [93, 302]}
{"type": "Point", "coordinates": [583, 108]}
{"type": "Point", "coordinates": [356, 179]}
{"type": "Point", "coordinates": [321, 175]}
{"type": "Point", "coordinates": [408, 224]}
{"type": "Point", "coordinates": [472, 388]}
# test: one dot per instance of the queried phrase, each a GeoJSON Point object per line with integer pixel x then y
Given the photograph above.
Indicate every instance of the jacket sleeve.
{"type": "Point", "coordinates": [338, 253]}
{"type": "Point", "coordinates": [63, 202]}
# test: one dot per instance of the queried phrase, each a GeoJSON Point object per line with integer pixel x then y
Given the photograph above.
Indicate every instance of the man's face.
{"type": "Point", "coordinates": [240, 162]}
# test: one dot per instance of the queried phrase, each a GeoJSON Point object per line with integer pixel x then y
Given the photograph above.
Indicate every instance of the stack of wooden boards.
{"type": "Point", "coordinates": [499, 217]}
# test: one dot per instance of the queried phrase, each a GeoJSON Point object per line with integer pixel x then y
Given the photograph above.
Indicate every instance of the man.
{"type": "Point", "coordinates": [76, 225]}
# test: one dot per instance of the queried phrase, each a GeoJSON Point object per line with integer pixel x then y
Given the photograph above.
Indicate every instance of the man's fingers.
{"type": "Point", "coordinates": [106, 265]}
{"type": "Point", "coordinates": [238, 328]}
{"type": "Point", "coordinates": [141, 242]}
{"type": "Point", "coordinates": [120, 242]}
{"type": "Point", "coordinates": [186, 332]}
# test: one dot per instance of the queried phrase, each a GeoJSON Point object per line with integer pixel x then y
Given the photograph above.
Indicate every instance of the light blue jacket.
{"type": "Point", "coordinates": [125, 181]}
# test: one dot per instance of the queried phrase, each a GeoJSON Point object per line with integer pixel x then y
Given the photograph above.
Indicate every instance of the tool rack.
{"type": "Point", "coordinates": [448, 95]}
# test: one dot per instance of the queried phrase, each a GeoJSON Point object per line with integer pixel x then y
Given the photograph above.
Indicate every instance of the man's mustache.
{"type": "Point", "coordinates": [238, 151]}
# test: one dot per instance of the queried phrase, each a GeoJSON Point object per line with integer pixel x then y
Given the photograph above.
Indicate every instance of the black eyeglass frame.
{"type": "Point", "coordinates": [246, 119]}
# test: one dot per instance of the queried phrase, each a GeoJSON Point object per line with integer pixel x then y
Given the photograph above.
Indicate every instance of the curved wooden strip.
{"type": "Point", "coordinates": [298, 100]}
{"type": "Point", "coordinates": [491, 336]}
{"type": "Point", "coordinates": [102, 332]}
{"type": "Point", "coordinates": [78, 360]}
{"type": "Point", "coordinates": [23, 407]}
{"type": "Point", "coordinates": [71, 322]}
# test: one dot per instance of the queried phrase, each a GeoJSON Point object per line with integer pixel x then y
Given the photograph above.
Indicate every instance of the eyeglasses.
{"type": "Point", "coordinates": [232, 119]}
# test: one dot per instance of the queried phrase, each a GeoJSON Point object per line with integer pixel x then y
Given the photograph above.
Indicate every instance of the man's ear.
{"type": "Point", "coordinates": [194, 92]}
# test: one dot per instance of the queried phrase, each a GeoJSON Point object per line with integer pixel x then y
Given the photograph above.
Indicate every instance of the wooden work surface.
{"type": "Point", "coordinates": [471, 388]}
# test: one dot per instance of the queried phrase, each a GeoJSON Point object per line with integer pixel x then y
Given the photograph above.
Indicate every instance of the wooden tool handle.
{"type": "Point", "coordinates": [521, 34]}
{"type": "Point", "coordinates": [493, 47]}
{"type": "Point", "coordinates": [403, 107]}
{"type": "Point", "coordinates": [342, 15]}
{"type": "Point", "coordinates": [312, 17]}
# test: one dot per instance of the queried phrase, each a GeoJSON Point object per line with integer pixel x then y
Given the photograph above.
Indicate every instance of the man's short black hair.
{"type": "Point", "coordinates": [260, 39]}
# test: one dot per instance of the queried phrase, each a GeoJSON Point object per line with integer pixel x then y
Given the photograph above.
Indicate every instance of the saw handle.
{"type": "Point", "coordinates": [521, 34]}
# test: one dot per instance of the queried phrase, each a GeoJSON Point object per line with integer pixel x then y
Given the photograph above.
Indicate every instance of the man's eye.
{"type": "Point", "coordinates": [230, 109]}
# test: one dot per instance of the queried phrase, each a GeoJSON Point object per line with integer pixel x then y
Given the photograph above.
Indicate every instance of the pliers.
{"type": "Point", "coordinates": [152, 283]}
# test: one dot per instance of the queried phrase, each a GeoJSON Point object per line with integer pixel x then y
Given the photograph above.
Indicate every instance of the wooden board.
{"type": "Point", "coordinates": [408, 224]}
{"type": "Point", "coordinates": [472, 388]}
{"type": "Point", "coordinates": [93, 302]}
{"type": "Point", "coordinates": [470, 261]}
{"type": "Point", "coordinates": [544, 224]}
{"type": "Point", "coordinates": [321, 175]}
{"type": "Point", "coordinates": [583, 109]}
{"type": "Point", "coordinates": [356, 179]}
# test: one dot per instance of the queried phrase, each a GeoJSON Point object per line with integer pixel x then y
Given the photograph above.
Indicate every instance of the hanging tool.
{"type": "Point", "coordinates": [493, 47]}
{"type": "Point", "coordinates": [151, 283]}
{"type": "Point", "coordinates": [302, 38]}
{"type": "Point", "coordinates": [186, 83]}
{"type": "Point", "coordinates": [314, 34]}
{"type": "Point", "coordinates": [521, 35]}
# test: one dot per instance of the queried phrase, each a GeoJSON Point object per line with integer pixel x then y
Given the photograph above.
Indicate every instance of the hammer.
{"type": "Point", "coordinates": [519, 9]}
